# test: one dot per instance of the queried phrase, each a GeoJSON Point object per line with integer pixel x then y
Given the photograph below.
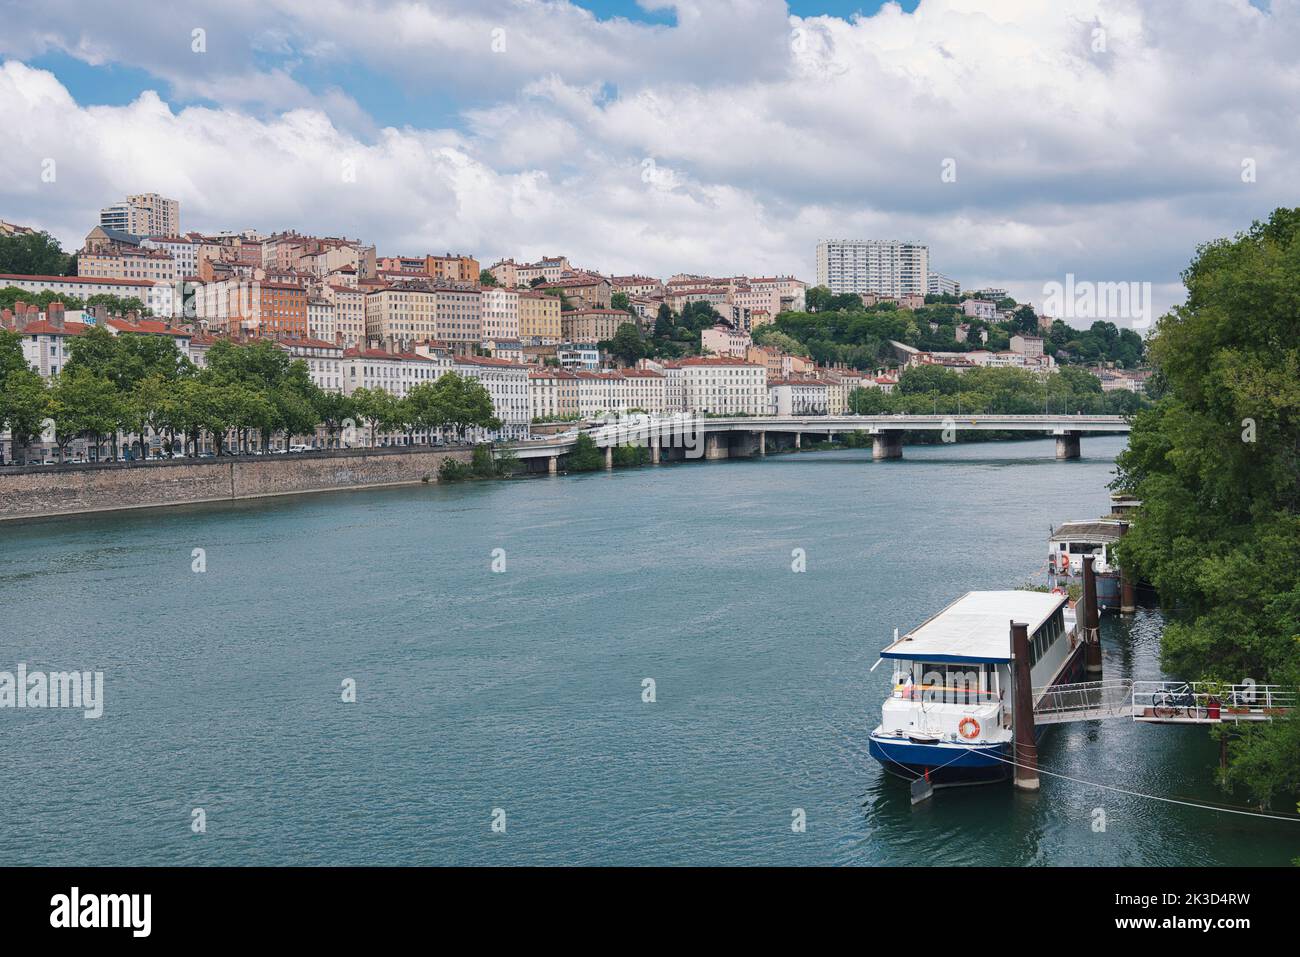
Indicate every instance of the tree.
{"type": "Point", "coordinates": [664, 324]}
{"type": "Point", "coordinates": [332, 410]}
{"type": "Point", "coordinates": [485, 278]}
{"type": "Point", "coordinates": [1216, 464]}
{"type": "Point", "coordinates": [462, 403]}
{"type": "Point", "coordinates": [585, 457]}
{"type": "Point", "coordinates": [626, 346]}
{"type": "Point", "coordinates": [378, 408]}
{"type": "Point", "coordinates": [82, 405]}
{"type": "Point", "coordinates": [24, 408]}
{"type": "Point", "coordinates": [32, 254]}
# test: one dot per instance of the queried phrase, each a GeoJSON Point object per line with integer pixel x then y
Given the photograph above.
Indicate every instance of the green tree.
{"type": "Point", "coordinates": [32, 254]}
{"type": "Point", "coordinates": [585, 457]}
{"type": "Point", "coordinates": [626, 346]}
{"type": "Point", "coordinates": [82, 405]}
{"type": "Point", "coordinates": [24, 408]}
{"type": "Point", "coordinates": [1216, 464]}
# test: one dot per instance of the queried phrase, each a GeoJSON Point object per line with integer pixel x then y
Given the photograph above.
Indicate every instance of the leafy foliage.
{"type": "Point", "coordinates": [1216, 463]}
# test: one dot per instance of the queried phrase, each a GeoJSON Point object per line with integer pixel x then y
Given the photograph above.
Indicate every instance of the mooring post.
{"type": "Point", "coordinates": [1127, 591]}
{"type": "Point", "coordinates": [1024, 742]}
{"type": "Point", "coordinates": [1091, 620]}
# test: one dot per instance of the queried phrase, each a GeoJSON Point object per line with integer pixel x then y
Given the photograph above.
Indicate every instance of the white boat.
{"type": "Point", "coordinates": [949, 715]}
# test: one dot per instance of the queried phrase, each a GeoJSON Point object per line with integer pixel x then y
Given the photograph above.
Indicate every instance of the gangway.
{"type": "Point", "coordinates": [1199, 702]}
{"type": "Point", "coordinates": [1085, 701]}
{"type": "Point", "coordinates": [1162, 702]}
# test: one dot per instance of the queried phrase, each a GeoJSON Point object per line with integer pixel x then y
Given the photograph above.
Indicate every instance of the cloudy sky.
{"type": "Point", "coordinates": [1103, 138]}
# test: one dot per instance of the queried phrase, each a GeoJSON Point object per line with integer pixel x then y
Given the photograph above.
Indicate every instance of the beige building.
{"type": "Point", "coordinates": [592, 325]}
{"type": "Point", "coordinates": [539, 318]}
{"type": "Point", "coordinates": [723, 340]}
{"type": "Point", "coordinates": [143, 264]}
{"type": "Point", "coordinates": [552, 393]}
{"type": "Point", "coordinates": [144, 214]}
{"type": "Point", "coordinates": [349, 313]}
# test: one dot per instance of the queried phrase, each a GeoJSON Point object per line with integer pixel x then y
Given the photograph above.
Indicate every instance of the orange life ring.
{"type": "Point", "coordinates": [968, 733]}
{"type": "Point", "coordinates": [1065, 561]}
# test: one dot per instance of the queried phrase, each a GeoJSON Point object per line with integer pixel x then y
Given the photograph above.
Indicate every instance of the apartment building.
{"type": "Point", "coordinates": [940, 285]}
{"type": "Point", "coordinates": [157, 298]}
{"type": "Point", "coordinates": [507, 383]}
{"type": "Point", "coordinates": [349, 313]}
{"type": "Point", "coordinates": [144, 214]}
{"type": "Point", "coordinates": [552, 393]}
{"type": "Point", "coordinates": [723, 340]}
{"type": "Point", "coordinates": [592, 325]}
{"type": "Point", "coordinates": [184, 251]}
{"type": "Point", "coordinates": [882, 266]}
{"type": "Point", "coordinates": [798, 397]}
{"type": "Point", "coordinates": [539, 318]}
{"type": "Point", "coordinates": [323, 358]}
{"type": "Point", "coordinates": [270, 309]}
{"type": "Point", "coordinates": [501, 313]}
{"type": "Point", "coordinates": [151, 265]}
{"type": "Point", "coordinates": [722, 386]}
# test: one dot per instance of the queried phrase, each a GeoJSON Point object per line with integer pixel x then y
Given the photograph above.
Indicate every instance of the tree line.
{"type": "Point", "coordinates": [929, 390]}
{"type": "Point", "coordinates": [1216, 464]}
{"type": "Point", "coordinates": [247, 393]}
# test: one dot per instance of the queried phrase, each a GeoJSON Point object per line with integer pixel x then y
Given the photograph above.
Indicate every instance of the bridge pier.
{"type": "Point", "coordinates": [798, 440]}
{"type": "Point", "coordinates": [762, 443]}
{"type": "Point", "coordinates": [609, 456]}
{"type": "Point", "coordinates": [1067, 446]}
{"type": "Point", "coordinates": [553, 464]}
{"type": "Point", "coordinates": [715, 446]}
{"type": "Point", "coordinates": [886, 445]}
{"type": "Point", "coordinates": [654, 451]}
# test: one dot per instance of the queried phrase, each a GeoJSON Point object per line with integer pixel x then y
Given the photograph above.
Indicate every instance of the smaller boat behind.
{"type": "Point", "coordinates": [1073, 542]}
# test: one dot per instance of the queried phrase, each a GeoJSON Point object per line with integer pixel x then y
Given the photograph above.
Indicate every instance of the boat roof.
{"type": "Point", "coordinates": [1098, 530]}
{"type": "Point", "coordinates": [976, 627]}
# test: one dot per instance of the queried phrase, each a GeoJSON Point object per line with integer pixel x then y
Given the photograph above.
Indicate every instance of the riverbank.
{"type": "Point", "coordinates": [43, 491]}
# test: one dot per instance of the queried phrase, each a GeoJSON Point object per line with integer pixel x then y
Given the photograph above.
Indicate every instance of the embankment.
{"type": "Point", "coordinates": [36, 491]}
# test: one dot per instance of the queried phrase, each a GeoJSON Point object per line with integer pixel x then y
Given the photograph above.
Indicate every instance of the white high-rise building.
{"type": "Point", "coordinates": [886, 267]}
{"type": "Point", "coordinates": [941, 285]}
{"type": "Point", "coordinates": [144, 214]}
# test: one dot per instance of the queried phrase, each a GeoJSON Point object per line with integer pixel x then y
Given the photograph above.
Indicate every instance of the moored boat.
{"type": "Point", "coordinates": [1074, 541]}
{"type": "Point", "coordinates": [949, 715]}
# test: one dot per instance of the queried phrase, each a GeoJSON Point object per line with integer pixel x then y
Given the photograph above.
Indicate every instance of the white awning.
{"type": "Point", "coordinates": [976, 627]}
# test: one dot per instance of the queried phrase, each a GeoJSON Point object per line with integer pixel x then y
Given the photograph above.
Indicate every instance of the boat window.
{"type": "Point", "coordinates": [1083, 548]}
{"type": "Point", "coordinates": [952, 683]}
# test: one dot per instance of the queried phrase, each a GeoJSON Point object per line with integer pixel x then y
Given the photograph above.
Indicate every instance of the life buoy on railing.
{"type": "Point", "coordinates": [1058, 590]}
{"type": "Point", "coordinates": [968, 728]}
{"type": "Point", "coordinates": [1065, 562]}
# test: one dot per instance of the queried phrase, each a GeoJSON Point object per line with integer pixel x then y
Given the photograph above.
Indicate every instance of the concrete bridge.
{"type": "Point", "coordinates": [686, 436]}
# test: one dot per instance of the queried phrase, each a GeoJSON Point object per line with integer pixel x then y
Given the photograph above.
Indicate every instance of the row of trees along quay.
{"type": "Point", "coordinates": [135, 385]}
{"type": "Point", "coordinates": [1215, 462]}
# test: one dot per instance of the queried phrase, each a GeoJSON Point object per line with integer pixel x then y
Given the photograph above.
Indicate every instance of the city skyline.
{"type": "Point", "coordinates": [616, 160]}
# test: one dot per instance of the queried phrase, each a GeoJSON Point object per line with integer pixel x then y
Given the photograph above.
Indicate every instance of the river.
{"type": "Point", "coordinates": [517, 695]}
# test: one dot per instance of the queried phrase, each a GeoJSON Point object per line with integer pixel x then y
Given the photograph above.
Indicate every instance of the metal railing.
{"type": "Point", "coordinates": [1209, 702]}
{"type": "Point", "coordinates": [1084, 701]}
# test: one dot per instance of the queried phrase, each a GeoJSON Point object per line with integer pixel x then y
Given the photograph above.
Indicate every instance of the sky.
{"type": "Point", "coordinates": [1024, 141]}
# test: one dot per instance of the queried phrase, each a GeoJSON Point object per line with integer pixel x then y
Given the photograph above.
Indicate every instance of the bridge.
{"type": "Point", "coordinates": [686, 436]}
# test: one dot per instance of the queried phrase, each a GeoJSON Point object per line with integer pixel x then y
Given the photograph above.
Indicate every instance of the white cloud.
{"type": "Point", "coordinates": [764, 132]}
